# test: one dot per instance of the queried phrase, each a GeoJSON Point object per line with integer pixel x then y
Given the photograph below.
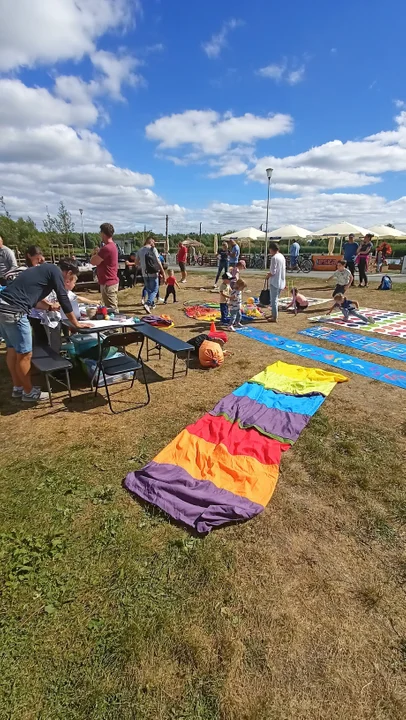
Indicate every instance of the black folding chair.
{"type": "Point", "coordinates": [122, 364]}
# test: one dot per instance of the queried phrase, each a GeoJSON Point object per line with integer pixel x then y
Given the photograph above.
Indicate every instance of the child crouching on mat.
{"type": "Point", "coordinates": [235, 304]}
{"type": "Point", "coordinates": [299, 299]}
{"type": "Point", "coordinates": [171, 282]}
{"type": "Point", "coordinates": [348, 307]}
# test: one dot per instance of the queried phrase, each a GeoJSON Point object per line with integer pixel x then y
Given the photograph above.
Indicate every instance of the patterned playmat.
{"type": "Point", "coordinates": [209, 312]}
{"type": "Point", "coordinates": [385, 348]}
{"type": "Point", "coordinates": [387, 322]}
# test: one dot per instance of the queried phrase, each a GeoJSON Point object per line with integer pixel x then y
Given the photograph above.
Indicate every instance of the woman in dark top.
{"type": "Point", "coordinates": [34, 256]}
{"type": "Point", "coordinates": [223, 257]}
{"type": "Point", "coordinates": [363, 253]}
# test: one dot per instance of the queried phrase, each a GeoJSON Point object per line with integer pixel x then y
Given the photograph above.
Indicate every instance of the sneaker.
{"type": "Point", "coordinates": [240, 325]}
{"type": "Point", "coordinates": [35, 395]}
{"type": "Point", "coordinates": [183, 281]}
{"type": "Point", "coordinates": [17, 392]}
{"type": "Point", "coordinates": [215, 286]}
{"type": "Point", "coordinates": [164, 302]}
{"type": "Point", "coordinates": [232, 328]}
{"type": "Point", "coordinates": [147, 308]}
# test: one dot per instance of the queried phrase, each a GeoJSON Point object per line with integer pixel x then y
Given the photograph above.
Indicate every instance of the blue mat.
{"type": "Point", "coordinates": [397, 351]}
{"type": "Point", "coordinates": [329, 357]}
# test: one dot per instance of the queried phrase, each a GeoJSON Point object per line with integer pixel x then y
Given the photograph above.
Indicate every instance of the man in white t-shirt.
{"type": "Point", "coordinates": [277, 276]}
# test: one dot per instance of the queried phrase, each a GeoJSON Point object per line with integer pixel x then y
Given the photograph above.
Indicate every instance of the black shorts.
{"type": "Point", "coordinates": [182, 266]}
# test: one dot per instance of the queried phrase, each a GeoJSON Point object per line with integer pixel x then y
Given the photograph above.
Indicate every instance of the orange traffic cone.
{"type": "Point", "coordinates": [213, 327]}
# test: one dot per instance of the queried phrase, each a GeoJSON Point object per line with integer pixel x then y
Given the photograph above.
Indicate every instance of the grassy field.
{"type": "Point", "coordinates": [108, 611]}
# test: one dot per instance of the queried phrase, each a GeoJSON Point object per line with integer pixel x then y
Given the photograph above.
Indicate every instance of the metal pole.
{"type": "Point", "coordinates": [166, 233]}
{"type": "Point", "coordinates": [83, 230]}
{"type": "Point", "coordinates": [266, 225]}
{"type": "Point", "coordinates": [200, 231]}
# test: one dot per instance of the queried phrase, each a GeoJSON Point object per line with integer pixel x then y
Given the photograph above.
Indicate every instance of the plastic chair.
{"type": "Point", "coordinates": [122, 364]}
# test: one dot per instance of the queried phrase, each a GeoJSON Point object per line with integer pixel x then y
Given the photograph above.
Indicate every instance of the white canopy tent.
{"type": "Point", "coordinates": [341, 229]}
{"type": "Point", "coordinates": [249, 233]}
{"type": "Point", "coordinates": [383, 231]}
{"type": "Point", "coordinates": [289, 232]}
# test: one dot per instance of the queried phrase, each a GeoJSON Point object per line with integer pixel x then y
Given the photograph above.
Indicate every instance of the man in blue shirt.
{"type": "Point", "coordinates": [29, 288]}
{"type": "Point", "coordinates": [234, 253]}
{"type": "Point", "coordinates": [350, 251]}
{"type": "Point", "coordinates": [294, 254]}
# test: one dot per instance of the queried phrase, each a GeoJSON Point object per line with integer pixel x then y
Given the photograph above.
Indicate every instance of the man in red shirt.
{"type": "Point", "coordinates": [181, 258]}
{"type": "Point", "coordinates": [106, 261]}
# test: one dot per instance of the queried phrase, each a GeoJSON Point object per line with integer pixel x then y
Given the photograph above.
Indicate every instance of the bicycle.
{"type": "Point", "coordinates": [304, 264]}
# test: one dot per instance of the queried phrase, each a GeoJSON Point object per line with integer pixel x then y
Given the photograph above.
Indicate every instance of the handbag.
{"type": "Point", "coordinates": [265, 295]}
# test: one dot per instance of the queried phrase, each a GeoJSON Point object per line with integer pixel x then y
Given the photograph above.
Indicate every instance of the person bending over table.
{"type": "Point", "coordinates": [28, 289]}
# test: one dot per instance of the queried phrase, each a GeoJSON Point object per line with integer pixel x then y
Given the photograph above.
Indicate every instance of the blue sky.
{"type": "Point", "coordinates": [132, 110]}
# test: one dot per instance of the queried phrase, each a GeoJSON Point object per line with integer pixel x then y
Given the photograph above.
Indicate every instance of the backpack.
{"type": "Point", "coordinates": [151, 263]}
{"type": "Point", "coordinates": [386, 283]}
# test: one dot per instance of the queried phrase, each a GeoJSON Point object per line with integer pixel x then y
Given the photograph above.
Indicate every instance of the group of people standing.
{"type": "Point", "coordinates": [358, 255]}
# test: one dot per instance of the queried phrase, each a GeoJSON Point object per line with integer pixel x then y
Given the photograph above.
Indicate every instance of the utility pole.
{"type": "Point", "coordinates": [83, 230]}
{"type": "Point", "coordinates": [144, 234]}
{"type": "Point", "coordinates": [166, 233]}
{"type": "Point", "coordinates": [200, 231]}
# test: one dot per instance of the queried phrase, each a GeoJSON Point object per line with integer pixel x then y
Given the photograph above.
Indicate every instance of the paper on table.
{"type": "Point", "coordinates": [106, 324]}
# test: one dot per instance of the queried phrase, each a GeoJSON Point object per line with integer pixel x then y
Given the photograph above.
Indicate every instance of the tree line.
{"type": "Point", "coordinates": [60, 230]}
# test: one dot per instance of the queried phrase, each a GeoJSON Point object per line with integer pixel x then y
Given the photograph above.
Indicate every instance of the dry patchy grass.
{"type": "Point", "coordinates": [108, 611]}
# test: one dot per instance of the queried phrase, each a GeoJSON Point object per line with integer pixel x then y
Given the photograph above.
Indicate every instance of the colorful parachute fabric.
{"type": "Point", "coordinates": [224, 468]}
{"type": "Point", "coordinates": [209, 312]}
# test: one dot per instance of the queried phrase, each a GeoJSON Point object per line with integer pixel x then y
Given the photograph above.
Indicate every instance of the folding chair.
{"type": "Point", "coordinates": [122, 364]}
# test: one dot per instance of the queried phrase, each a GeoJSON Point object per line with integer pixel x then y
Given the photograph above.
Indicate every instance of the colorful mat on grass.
{"type": "Point", "coordinates": [384, 348]}
{"type": "Point", "coordinates": [224, 467]}
{"type": "Point", "coordinates": [329, 357]}
{"type": "Point", "coordinates": [210, 312]}
{"type": "Point", "coordinates": [387, 322]}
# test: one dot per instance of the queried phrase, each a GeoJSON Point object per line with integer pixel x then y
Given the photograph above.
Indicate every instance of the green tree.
{"type": "Point", "coordinates": [64, 223]}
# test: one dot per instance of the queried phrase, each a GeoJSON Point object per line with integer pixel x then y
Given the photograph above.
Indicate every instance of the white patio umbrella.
{"type": "Point", "coordinates": [341, 229]}
{"type": "Point", "coordinates": [383, 231]}
{"type": "Point", "coordinates": [289, 232]}
{"type": "Point", "coordinates": [249, 233]}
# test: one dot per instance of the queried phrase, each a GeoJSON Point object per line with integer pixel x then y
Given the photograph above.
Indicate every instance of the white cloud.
{"type": "Point", "coordinates": [218, 41]}
{"type": "Point", "coordinates": [116, 71]}
{"type": "Point", "coordinates": [275, 71]}
{"type": "Point", "coordinates": [212, 132]}
{"type": "Point", "coordinates": [283, 72]}
{"type": "Point", "coordinates": [51, 144]}
{"type": "Point", "coordinates": [296, 76]}
{"type": "Point", "coordinates": [23, 107]}
{"type": "Point", "coordinates": [399, 104]}
{"type": "Point", "coordinates": [47, 31]}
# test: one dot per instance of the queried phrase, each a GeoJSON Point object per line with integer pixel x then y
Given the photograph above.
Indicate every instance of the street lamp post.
{"type": "Point", "coordinates": [269, 172]}
{"type": "Point", "coordinates": [83, 229]}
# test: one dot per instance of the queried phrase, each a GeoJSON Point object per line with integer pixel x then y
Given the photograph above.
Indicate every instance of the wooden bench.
{"type": "Point", "coordinates": [162, 339]}
{"type": "Point", "coordinates": [48, 362]}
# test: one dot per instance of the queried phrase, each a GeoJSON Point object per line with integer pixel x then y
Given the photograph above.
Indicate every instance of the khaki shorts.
{"type": "Point", "coordinates": [109, 296]}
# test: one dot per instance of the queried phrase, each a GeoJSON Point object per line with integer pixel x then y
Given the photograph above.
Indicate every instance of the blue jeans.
{"type": "Point", "coordinates": [275, 292]}
{"type": "Point", "coordinates": [152, 287]}
{"type": "Point", "coordinates": [235, 315]}
{"type": "Point", "coordinates": [17, 334]}
{"type": "Point", "coordinates": [222, 268]}
{"type": "Point", "coordinates": [224, 313]}
{"type": "Point", "coordinates": [293, 260]}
